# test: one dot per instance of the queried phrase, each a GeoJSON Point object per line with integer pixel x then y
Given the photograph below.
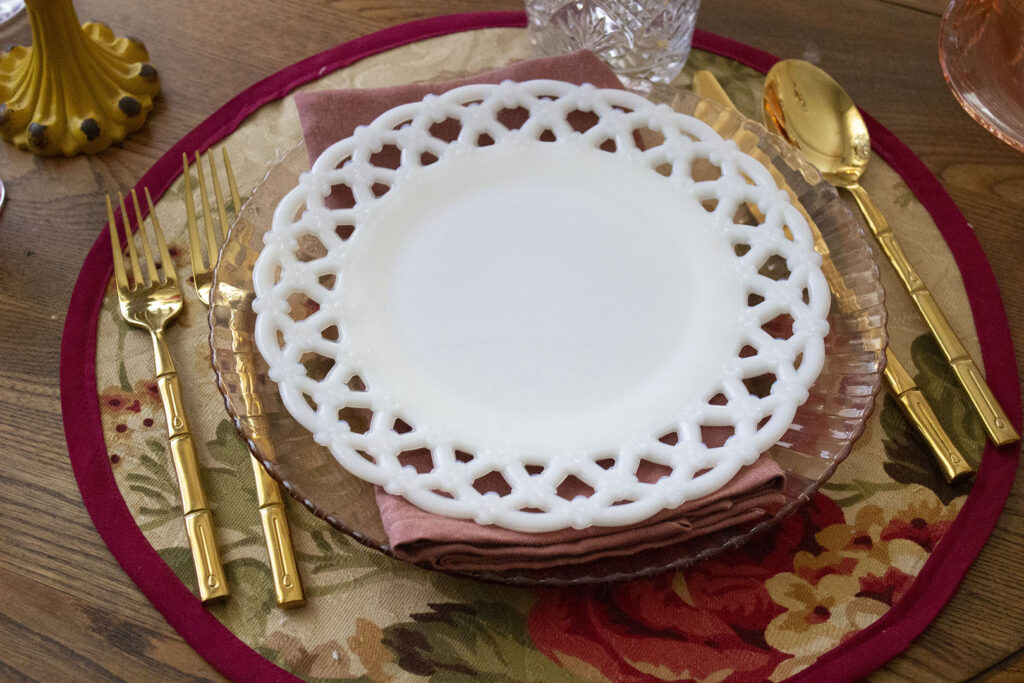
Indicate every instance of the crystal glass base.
{"type": "Point", "coordinates": [643, 42]}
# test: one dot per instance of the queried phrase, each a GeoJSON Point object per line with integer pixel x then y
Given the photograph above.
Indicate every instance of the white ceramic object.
{"type": "Point", "coordinates": [536, 301]}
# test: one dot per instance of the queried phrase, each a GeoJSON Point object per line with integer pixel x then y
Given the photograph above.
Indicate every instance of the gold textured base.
{"type": "Point", "coordinates": [77, 88]}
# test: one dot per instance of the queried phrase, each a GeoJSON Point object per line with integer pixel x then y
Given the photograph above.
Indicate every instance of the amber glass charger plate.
{"type": "Point", "coordinates": [821, 435]}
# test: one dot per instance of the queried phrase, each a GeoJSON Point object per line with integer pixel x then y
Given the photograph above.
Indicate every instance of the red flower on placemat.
{"type": "Point", "coordinates": [706, 622]}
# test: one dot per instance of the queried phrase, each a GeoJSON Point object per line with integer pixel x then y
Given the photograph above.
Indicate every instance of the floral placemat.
{"type": "Point", "coordinates": [804, 595]}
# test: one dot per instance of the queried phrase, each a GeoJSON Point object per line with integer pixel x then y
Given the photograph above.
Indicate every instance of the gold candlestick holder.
{"type": "Point", "coordinates": [78, 88]}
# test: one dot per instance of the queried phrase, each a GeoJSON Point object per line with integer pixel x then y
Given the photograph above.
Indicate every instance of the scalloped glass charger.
{"type": "Point", "coordinates": [406, 321]}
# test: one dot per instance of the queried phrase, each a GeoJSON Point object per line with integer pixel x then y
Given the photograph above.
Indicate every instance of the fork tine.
{"type": "Point", "coordinates": [154, 276]}
{"type": "Point", "coordinates": [136, 273]}
{"type": "Point", "coordinates": [165, 256]}
{"type": "Point", "coordinates": [211, 238]}
{"type": "Point", "coordinates": [218, 196]}
{"type": "Point", "coordinates": [195, 241]}
{"type": "Point", "coordinates": [235, 201]}
{"type": "Point", "coordinates": [120, 277]}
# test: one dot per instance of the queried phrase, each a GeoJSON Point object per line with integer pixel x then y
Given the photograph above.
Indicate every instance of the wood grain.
{"type": "Point", "coordinates": [68, 612]}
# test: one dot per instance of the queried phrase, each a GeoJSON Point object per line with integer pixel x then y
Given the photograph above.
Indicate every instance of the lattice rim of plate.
{"type": "Point", "coordinates": [373, 428]}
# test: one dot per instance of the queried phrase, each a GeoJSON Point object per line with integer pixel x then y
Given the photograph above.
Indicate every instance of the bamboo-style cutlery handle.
{"type": "Point", "coordinates": [151, 299]}
{"type": "Point", "coordinates": [283, 566]}
{"type": "Point", "coordinates": [198, 518]}
{"type": "Point", "coordinates": [996, 422]}
{"type": "Point", "coordinates": [920, 413]}
{"type": "Point", "coordinates": [287, 584]}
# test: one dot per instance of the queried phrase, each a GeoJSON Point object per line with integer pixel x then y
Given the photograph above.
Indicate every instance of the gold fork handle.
{"type": "Point", "coordinates": [283, 566]}
{"type": "Point", "coordinates": [287, 583]}
{"type": "Point", "coordinates": [198, 517]}
{"type": "Point", "coordinates": [996, 422]}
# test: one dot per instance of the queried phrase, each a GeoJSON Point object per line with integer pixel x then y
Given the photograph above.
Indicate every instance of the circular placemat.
{"type": "Point", "coordinates": [837, 589]}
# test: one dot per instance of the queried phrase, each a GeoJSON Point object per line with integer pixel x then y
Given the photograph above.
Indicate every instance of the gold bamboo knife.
{"type": "Point", "coordinates": [152, 306]}
{"type": "Point", "coordinates": [953, 465]}
{"type": "Point", "coordinates": [814, 114]}
{"type": "Point", "coordinates": [283, 567]}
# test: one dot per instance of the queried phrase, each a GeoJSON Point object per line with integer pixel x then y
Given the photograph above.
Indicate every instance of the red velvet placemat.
{"type": "Point", "coordinates": [854, 657]}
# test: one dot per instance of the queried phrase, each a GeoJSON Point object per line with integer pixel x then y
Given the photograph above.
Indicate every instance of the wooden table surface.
{"type": "Point", "coordinates": [68, 611]}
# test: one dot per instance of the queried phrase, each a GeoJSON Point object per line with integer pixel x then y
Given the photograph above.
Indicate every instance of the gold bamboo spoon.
{"type": "Point", "coordinates": [949, 459]}
{"type": "Point", "coordinates": [813, 113]}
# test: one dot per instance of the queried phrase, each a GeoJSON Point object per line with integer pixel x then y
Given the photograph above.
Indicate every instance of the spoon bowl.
{"type": "Point", "coordinates": [814, 114]}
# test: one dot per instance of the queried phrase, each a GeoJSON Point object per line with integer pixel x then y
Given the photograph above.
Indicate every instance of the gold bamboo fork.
{"type": "Point", "coordinates": [287, 582]}
{"type": "Point", "coordinates": [152, 302]}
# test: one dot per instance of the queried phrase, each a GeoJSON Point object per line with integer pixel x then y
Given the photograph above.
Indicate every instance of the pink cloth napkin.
{"type": "Point", "coordinates": [463, 545]}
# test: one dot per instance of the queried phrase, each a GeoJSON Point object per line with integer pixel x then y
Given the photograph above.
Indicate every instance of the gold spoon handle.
{"type": "Point", "coordinates": [997, 424]}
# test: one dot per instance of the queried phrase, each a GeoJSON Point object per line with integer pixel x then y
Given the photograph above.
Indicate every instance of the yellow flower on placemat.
{"type": "Point", "coordinates": [862, 569]}
{"type": "Point", "coordinates": [818, 616]}
{"type": "Point", "coordinates": [924, 520]}
{"type": "Point", "coordinates": [867, 544]}
{"type": "Point", "coordinates": [859, 538]}
{"type": "Point", "coordinates": [847, 548]}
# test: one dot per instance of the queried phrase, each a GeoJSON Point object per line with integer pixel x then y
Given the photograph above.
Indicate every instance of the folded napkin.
{"type": "Point", "coordinates": [463, 545]}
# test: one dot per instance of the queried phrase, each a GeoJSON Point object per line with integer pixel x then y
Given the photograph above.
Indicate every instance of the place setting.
{"type": "Point", "coordinates": [474, 349]}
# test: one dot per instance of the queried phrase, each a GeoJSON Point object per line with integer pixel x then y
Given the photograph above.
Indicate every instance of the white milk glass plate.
{"type": "Point", "coordinates": [822, 433]}
{"type": "Point", "coordinates": [446, 300]}
{"type": "Point", "coordinates": [9, 8]}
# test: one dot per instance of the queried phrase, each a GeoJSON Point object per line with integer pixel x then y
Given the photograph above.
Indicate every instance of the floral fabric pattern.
{"type": "Point", "coordinates": [762, 612]}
